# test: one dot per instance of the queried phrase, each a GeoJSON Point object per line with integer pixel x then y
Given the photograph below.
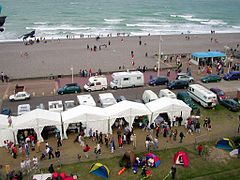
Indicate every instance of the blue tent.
{"type": "Point", "coordinates": [225, 144]}
{"type": "Point", "coordinates": [210, 54]}
{"type": "Point", "coordinates": [99, 170]}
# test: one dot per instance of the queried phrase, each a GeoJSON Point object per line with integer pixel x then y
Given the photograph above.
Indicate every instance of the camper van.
{"type": "Point", "coordinates": [148, 96]}
{"type": "Point", "coordinates": [127, 79]}
{"type": "Point", "coordinates": [202, 95]}
{"type": "Point", "coordinates": [86, 99]}
{"type": "Point", "coordinates": [107, 99]}
{"type": "Point", "coordinates": [166, 93]}
{"type": "Point", "coordinates": [96, 83]}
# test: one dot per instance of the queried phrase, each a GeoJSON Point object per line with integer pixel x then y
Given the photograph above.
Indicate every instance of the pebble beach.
{"type": "Point", "coordinates": [56, 57]}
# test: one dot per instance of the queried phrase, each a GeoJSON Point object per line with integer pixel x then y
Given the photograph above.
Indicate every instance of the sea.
{"type": "Point", "coordinates": [90, 18]}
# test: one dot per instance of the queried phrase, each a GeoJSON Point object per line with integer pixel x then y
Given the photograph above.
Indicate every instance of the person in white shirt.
{"type": "Point", "coordinates": [35, 162]}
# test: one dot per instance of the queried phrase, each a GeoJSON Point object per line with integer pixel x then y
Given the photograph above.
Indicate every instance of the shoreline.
{"type": "Point", "coordinates": [115, 36]}
{"type": "Point", "coordinates": [57, 57]}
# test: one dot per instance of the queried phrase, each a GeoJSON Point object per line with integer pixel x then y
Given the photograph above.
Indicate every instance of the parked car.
{"type": "Point", "coordinates": [220, 93]}
{"type": "Point", "coordinates": [6, 111]}
{"type": "Point", "coordinates": [69, 88]}
{"type": "Point", "coordinates": [185, 97]}
{"type": "Point", "coordinates": [19, 96]}
{"type": "Point", "coordinates": [211, 78]}
{"type": "Point", "coordinates": [177, 84]}
{"type": "Point", "coordinates": [233, 75]}
{"type": "Point", "coordinates": [230, 104]}
{"type": "Point", "coordinates": [120, 98]}
{"type": "Point", "coordinates": [185, 77]}
{"type": "Point", "coordinates": [160, 80]}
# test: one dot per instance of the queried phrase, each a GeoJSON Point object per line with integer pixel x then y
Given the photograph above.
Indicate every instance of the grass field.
{"type": "Point", "coordinates": [200, 167]}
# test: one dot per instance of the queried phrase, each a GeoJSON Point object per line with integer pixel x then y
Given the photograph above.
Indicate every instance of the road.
{"type": "Point", "coordinates": [230, 87]}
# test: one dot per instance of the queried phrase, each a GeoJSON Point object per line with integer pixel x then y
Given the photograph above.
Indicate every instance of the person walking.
{"type": "Point", "coordinates": [58, 156]}
{"type": "Point", "coordinates": [49, 151]}
{"type": "Point", "coordinates": [59, 141]}
{"type": "Point", "coordinates": [173, 171]}
{"type": "Point", "coordinates": [86, 150]}
{"type": "Point", "coordinates": [155, 143]}
{"type": "Point", "coordinates": [134, 141]}
{"type": "Point", "coordinates": [35, 162]}
{"type": "Point", "coordinates": [181, 135]}
{"type": "Point", "coordinates": [238, 130]}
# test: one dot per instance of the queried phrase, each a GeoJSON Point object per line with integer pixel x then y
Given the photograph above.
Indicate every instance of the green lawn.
{"type": "Point", "coordinates": [200, 167]}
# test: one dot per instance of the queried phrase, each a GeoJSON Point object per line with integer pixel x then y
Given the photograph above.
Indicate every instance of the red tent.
{"type": "Point", "coordinates": [181, 158]}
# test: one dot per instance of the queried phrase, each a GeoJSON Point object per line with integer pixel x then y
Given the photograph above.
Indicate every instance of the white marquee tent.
{"type": "Point", "coordinates": [91, 117]}
{"type": "Point", "coordinates": [37, 120]}
{"type": "Point", "coordinates": [127, 110]}
{"type": "Point", "coordinates": [173, 107]}
{"type": "Point", "coordinates": [6, 131]}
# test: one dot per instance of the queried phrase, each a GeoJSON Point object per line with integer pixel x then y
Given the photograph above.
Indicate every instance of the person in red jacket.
{"type": "Point", "coordinates": [86, 149]}
{"type": "Point", "coordinates": [14, 152]}
{"type": "Point", "coordinates": [200, 150]}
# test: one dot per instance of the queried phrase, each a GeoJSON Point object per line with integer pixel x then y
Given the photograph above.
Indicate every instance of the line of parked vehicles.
{"type": "Point", "coordinates": [205, 97]}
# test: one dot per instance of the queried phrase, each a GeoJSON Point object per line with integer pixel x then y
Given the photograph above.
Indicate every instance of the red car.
{"type": "Point", "coordinates": [220, 93]}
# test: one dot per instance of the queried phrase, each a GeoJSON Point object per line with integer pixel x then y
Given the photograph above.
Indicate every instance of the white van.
{"type": "Point", "coordinates": [167, 93]}
{"type": "Point", "coordinates": [202, 95]}
{"type": "Point", "coordinates": [107, 99]}
{"type": "Point", "coordinates": [148, 96]}
{"type": "Point", "coordinates": [23, 108]}
{"type": "Point", "coordinates": [55, 106]}
{"type": "Point", "coordinates": [127, 79]}
{"type": "Point", "coordinates": [96, 83]}
{"type": "Point", "coordinates": [86, 99]}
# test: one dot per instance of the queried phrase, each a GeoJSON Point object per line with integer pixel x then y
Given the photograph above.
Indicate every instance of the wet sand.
{"type": "Point", "coordinates": [57, 57]}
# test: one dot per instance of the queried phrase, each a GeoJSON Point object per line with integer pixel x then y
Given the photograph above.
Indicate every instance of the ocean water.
{"type": "Point", "coordinates": [58, 18]}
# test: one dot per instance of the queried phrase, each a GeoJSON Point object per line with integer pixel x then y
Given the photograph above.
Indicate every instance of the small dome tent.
{"type": "Point", "coordinates": [225, 144]}
{"type": "Point", "coordinates": [99, 170]}
{"type": "Point", "coordinates": [181, 158]}
{"type": "Point", "coordinates": [156, 160]}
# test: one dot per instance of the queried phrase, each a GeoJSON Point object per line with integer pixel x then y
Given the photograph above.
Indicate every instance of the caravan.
{"type": "Point", "coordinates": [148, 96]}
{"type": "Point", "coordinates": [106, 99]}
{"type": "Point", "coordinates": [166, 93]}
{"type": "Point", "coordinates": [96, 83]}
{"type": "Point", "coordinates": [202, 95]}
{"type": "Point", "coordinates": [86, 99]}
{"type": "Point", "coordinates": [127, 79]}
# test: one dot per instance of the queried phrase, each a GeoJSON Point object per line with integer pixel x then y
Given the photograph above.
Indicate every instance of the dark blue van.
{"type": "Point", "coordinates": [233, 75]}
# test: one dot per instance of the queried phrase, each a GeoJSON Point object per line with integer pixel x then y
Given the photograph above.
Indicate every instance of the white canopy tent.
{"type": "Point", "coordinates": [173, 107]}
{"type": "Point", "coordinates": [91, 117]}
{"type": "Point", "coordinates": [37, 120]}
{"type": "Point", "coordinates": [6, 131]}
{"type": "Point", "coordinates": [127, 110]}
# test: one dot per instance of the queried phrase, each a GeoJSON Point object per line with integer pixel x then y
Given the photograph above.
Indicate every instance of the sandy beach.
{"type": "Point", "coordinates": [55, 57]}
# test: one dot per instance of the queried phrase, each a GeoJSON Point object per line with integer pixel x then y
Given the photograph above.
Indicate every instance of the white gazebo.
{"type": "Point", "coordinates": [127, 110]}
{"type": "Point", "coordinates": [91, 117]}
{"type": "Point", "coordinates": [173, 107]}
{"type": "Point", "coordinates": [37, 120]}
{"type": "Point", "coordinates": [6, 130]}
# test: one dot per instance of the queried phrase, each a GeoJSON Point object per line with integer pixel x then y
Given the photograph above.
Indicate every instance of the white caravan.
{"type": "Point", "coordinates": [55, 106]}
{"type": "Point", "coordinates": [148, 96]}
{"type": "Point", "coordinates": [86, 99]}
{"type": "Point", "coordinates": [202, 95]}
{"type": "Point", "coordinates": [107, 99]}
{"type": "Point", "coordinates": [23, 108]}
{"type": "Point", "coordinates": [96, 83]}
{"type": "Point", "coordinates": [127, 79]}
{"type": "Point", "coordinates": [167, 93]}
